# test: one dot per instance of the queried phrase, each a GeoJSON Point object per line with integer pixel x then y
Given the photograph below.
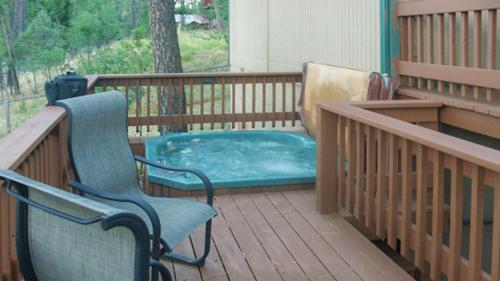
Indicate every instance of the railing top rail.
{"type": "Point", "coordinates": [195, 75]}
{"type": "Point", "coordinates": [393, 104]}
{"type": "Point", "coordinates": [426, 7]}
{"type": "Point", "coordinates": [468, 151]}
{"type": "Point", "coordinates": [16, 146]}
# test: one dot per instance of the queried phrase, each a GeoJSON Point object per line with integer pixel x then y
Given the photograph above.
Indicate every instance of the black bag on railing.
{"type": "Point", "coordinates": [65, 86]}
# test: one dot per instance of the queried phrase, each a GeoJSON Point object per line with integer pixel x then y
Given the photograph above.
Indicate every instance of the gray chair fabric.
{"type": "Point", "coordinates": [62, 250]}
{"type": "Point", "coordinates": [102, 158]}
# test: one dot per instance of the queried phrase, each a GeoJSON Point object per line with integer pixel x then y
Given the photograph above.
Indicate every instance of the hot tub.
{"type": "Point", "coordinates": [234, 159]}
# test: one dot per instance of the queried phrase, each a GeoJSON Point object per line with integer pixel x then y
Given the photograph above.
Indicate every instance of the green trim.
{"type": "Point", "coordinates": [389, 37]}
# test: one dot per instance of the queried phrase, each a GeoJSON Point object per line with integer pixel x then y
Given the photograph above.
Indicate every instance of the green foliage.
{"type": "Point", "coordinates": [84, 31]}
{"type": "Point", "coordinates": [41, 45]}
{"type": "Point", "coordinates": [124, 56]}
{"type": "Point", "coordinates": [199, 49]}
{"type": "Point", "coordinates": [60, 11]}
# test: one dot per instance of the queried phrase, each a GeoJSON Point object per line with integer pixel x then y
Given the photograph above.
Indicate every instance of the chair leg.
{"type": "Point", "coordinates": [194, 261]}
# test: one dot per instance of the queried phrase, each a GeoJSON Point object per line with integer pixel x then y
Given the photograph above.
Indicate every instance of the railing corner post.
{"type": "Point", "coordinates": [327, 150]}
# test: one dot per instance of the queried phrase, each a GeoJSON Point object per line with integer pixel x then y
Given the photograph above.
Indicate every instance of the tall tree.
{"type": "Point", "coordinates": [9, 35]}
{"type": "Point", "coordinates": [166, 52]}
{"type": "Point", "coordinates": [219, 24]}
{"type": "Point", "coordinates": [134, 13]}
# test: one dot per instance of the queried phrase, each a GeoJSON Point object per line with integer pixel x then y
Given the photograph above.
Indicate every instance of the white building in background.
{"type": "Point", "coordinates": [278, 35]}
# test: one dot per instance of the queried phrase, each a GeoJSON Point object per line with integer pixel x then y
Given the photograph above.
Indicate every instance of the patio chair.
{"type": "Point", "coordinates": [63, 236]}
{"type": "Point", "coordinates": [106, 170]}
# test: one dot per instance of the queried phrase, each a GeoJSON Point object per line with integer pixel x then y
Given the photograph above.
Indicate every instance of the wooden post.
{"type": "Point", "coordinates": [327, 150]}
{"type": "Point", "coordinates": [54, 176]}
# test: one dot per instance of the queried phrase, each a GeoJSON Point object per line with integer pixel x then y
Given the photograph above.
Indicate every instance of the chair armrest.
{"type": "Point", "coordinates": [198, 173]}
{"type": "Point", "coordinates": [145, 206]}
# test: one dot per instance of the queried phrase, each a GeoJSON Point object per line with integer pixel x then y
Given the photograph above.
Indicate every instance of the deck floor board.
{"type": "Point", "coordinates": [280, 236]}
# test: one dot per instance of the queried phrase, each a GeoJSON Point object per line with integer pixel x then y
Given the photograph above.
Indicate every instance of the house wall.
{"type": "Point", "coordinates": [276, 35]}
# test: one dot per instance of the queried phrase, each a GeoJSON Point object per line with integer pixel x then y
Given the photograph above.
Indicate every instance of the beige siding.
{"type": "Point", "coordinates": [248, 23]}
{"type": "Point", "coordinates": [274, 35]}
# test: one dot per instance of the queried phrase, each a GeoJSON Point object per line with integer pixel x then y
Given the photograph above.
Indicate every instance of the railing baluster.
{"type": "Point", "coordinates": [440, 46]}
{"type": "Point", "coordinates": [351, 158]}
{"type": "Point", "coordinates": [202, 105]}
{"type": "Point", "coordinates": [234, 102]}
{"type": "Point", "coordinates": [406, 198]}
{"type": "Point", "coordinates": [437, 214]}
{"type": "Point", "coordinates": [264, 93]}
{"type": "Point", "coordinates": [212, 105]}
{"type": "Point", "coordinates": [477, 220]}
{"type": "Point", "coordinates": [182, 110]}
{"type": "Point", "coordinates": [148, 109]}
{"type": "Point", "coordinates": [274, 102]}
{"type": "Point", "coordinates": [392, 220]}
{"type": "Point", "coordinates": [283, 101]}
{"type": "Point", "coordinates": [421, 216]}
{"type": "Point", "coordinates": [253, 100]}
{"type": "Point", "coordinates": [223, 102]}
{"type": "Point", "coordinates": [492, 48]}
{"type": "Point", "coordinates": [430, 46]}
{"type": "Point", "coordinates": [244, 102]}
{"type": "Point", "coordinates": [495, 248]}
{"type": "Point", "coordinates": [127, 81]}
{"type": "Point", "coordinates": [464, 45]}
{"type": "Point", "coordinates": [5, 234]}
{"type": "Point", "coordinates": [342, 158]}
{"type": "Point", "coordinates": [420, 46]}
{"type": "Point", "coordinates": [452, 45]}
{"type": "Point", "coordinates": [159, 101]}
{"type": "Point", "coordinates": [170, 104]}
{"type": "Point", "coordinates": [294, 109]}
{"type": "Point", "coordinates": [455, 219]}
{"type": "Point", "coordinates": [370, 177]}
{"type": "Point", "coordinates": [360, 170]}
{"type": "Point", "coordinates": [381, 182]}
{"type": "Point", "coordinates": [409, 28]}
{"type": "Point", "coordinates": [477, 32]}
{"type": "Point", "coordinates": [191, 102]}
{"type": "Point", "coordinates": [137, 104]}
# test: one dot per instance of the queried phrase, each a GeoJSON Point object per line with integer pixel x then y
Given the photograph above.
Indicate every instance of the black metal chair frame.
{"type": "Point", "coordinates": [158, 246]}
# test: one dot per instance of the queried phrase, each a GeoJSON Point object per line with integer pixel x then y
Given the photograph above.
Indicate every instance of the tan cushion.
{"type": "Point", "coordinates": [330, 83]}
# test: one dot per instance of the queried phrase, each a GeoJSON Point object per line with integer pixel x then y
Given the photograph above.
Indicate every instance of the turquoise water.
{"type": "Point", "coordinates": [234, 159]}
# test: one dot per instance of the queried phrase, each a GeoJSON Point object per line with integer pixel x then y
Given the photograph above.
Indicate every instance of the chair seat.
{"type": "Point", "coordinates": [178, 217]}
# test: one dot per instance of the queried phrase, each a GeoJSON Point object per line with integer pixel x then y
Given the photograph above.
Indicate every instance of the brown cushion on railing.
{"type": "Point", "coordinates": [381, 87]}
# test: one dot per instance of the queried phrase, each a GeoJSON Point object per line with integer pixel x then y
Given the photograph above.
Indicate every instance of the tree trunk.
{"type": "Point", "coordinates": [12, 79]}
{"type": "Point", "coordinates": [134, 12]}
{"type": "Point", "coordinates": [183, 17]}
{"type": "Point", "coordinates": [18, 21]}
{"type": "Point", "coordinates": [166, 55]}
{"type": "Point", "coordinates": [219, 25]}
{"type": "Point", "coordinates": [35, 82]}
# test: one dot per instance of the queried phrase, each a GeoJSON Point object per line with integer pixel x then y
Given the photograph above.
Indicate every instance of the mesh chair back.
{"type": "Point", "coordinates": [98, 142]}
{"type": "Point", "coordinates": [62, 236]}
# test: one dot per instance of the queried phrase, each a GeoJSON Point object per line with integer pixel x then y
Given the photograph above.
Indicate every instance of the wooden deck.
{"type": "Point", "coordinates": [280, 236]}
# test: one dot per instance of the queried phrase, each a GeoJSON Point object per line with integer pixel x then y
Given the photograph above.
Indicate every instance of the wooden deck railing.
{"type": "Point", "coordinates": [207, 101]}
{"type": "Point", "coordinates": [405, 183]}
{"type": "Point", "coordinates": [35, 149]}
{"type": "Point", "coordinates": [449, 48]}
